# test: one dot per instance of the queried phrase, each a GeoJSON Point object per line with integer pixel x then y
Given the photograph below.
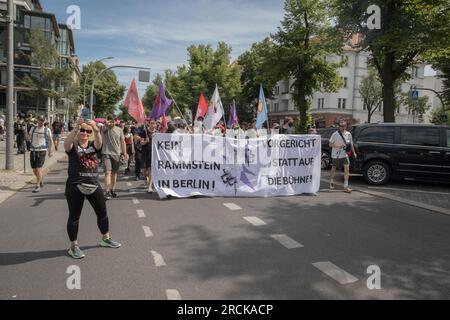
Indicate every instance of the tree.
{"type": "Point", "coordinates": [108, 92]}
{"type": "Point", "coordinates": [45, 58]}
{"type": "Point", "coordinates": [300, 48]}
{"type": "Point", "coordinates": [417, 108]}
{"type": "Point", "coordinates": [371, 92]}
{"type": "Point", "coordinates": [206, 68]}
{"type": "Point", "coordinates": [255, 71]}
{"type": "Point", "coordinates": [440, 60]}
{"type": "Point", "coordinates": [408, 30]}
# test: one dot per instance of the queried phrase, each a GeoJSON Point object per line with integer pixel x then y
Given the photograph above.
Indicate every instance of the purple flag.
{"type": "Point", "coordinates": [233, 115]}
{"type": "Point", "coordinates": [161, 103]}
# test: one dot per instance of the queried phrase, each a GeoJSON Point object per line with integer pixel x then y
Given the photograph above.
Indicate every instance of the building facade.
{"type": "Point", "coordinates": [29, 14]}
{"type": "Point", "coordinates": [328, 108]}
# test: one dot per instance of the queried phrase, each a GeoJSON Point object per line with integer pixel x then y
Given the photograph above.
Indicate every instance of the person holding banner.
{"type": "Point", "coordinates": [342, 146]}
{"type": "Point", "coordinates": [146, 140]}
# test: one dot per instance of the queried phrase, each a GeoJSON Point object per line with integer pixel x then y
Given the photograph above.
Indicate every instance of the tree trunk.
{"type": "Point", "coordinates": [369, 116]}
{"type": "Point", "coordinates": [388, 90]}
{"type": "Point", "coordinates": [38, 100]}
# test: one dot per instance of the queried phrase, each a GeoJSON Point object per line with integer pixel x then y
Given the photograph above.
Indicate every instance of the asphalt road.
{"type": "Point", "coordinates": [305, 248]}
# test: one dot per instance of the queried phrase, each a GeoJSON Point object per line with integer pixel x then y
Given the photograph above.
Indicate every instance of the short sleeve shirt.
{"type": "Point", "coordinates": [340, 153]}
{"type": "Point", "coordinates": [83, 164]}
{"type": "Point", "coordinates": [112, 139]}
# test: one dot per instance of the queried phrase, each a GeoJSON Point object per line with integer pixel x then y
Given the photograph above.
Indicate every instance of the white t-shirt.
{"type": "Point", "coordinates": [39, 140]}
{"type": "Point", "coordinates": [340, 153]}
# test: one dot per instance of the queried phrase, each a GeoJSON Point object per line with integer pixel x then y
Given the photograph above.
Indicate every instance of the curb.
{"type": "Point", "coordinates": [396, 199]}
{"type": "Point", "coordinates": [19, 185]}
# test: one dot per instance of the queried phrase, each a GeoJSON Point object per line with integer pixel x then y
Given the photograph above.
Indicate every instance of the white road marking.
{"type": "Point", "coordinates": [173, 294]}
{"type": "Point", "coordinates": [148, 232]}
{"type": "Point", "coordinates": [14, 296]}
{"type": "Point", "coordinates": [255, 221]}
{"type": "Point", "coordinates": [140, 213]}
{"type": "Point", "coordinates": [136, 201]}
{"type": "Point", "coordinates": [129, 184]}
{"type": "Point", "coordinates": [159, 260]}
{"type": "Point", "coordinates": [333, 271]}
{"type": "Point", "coordinates": [286, 241]}
{"type": "Point", "coordinates": [232, 206]}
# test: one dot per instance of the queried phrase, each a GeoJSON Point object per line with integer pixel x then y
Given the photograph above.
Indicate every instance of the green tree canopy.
{"type": "Point", "coordinates": [301, 45]}
{"type": "Point", "coordinates": [409, 29]}
{"type": "Point", "coordinates": [371, 92]}
{"type": "Point", "coordinates": [254, 72]}
{"type": "Point", "coordinates": [108, 92]}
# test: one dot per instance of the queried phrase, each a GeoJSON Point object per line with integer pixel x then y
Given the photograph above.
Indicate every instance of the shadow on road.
{"type": "Point", "coordinates": [14, 258]}
{"type": "Point", "coordinates": [410, 248]}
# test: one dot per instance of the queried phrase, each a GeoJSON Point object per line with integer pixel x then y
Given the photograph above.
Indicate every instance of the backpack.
{"type": "Point", "coordinates": [46, 133]}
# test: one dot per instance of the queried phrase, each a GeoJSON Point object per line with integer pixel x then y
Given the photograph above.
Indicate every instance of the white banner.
{"type": "Point", "coordinates": [185, 165]}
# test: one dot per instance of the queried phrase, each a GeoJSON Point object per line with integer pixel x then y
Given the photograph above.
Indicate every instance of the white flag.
{"type": "Point", "coordinates": [215, 111]}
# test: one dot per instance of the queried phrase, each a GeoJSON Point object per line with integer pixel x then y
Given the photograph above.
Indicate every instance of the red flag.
{"type": "Point", "coordinates": [134, 104]}
{"type": "Point", "coordinates": [202, 107]}
{"type": "Point", "coordinates": [164, 125]}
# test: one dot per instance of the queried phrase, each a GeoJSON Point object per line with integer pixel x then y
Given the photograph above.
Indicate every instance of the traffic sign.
{"type": "Point", "coordinates": [415, 95]}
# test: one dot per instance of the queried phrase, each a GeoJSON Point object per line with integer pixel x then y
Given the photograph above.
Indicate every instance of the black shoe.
{"type": "Point", "coordinates": [114, 194]}
{"type": "Point", "coordinates": [108, 195]}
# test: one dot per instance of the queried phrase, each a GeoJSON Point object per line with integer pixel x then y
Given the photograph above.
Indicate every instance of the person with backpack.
{"type": "Point", "coordinates": [342, 146]}
{"type": "Point", "coordinates": [40, 139]}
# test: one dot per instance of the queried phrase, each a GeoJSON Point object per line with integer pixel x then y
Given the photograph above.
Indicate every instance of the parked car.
{"type": "Point", "coordinates": [402, 151]}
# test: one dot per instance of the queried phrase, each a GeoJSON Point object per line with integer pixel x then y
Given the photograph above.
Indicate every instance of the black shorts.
{"type": "Point", "coordinates": [37, 159]}
{"type": "Point", "coordinates": [146, 161]}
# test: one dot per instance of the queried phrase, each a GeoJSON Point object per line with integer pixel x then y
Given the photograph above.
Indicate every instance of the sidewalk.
{"type": "Point", "coordinates": [13, 181]}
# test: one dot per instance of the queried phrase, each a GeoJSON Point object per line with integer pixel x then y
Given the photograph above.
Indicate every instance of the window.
{"type": "Point", "coordinates": [344, 60]}
{"type": "Point", "coordinates": [345, 80]}
{"type": "Point", "coordinates": [414, 72]}
{"type": "Point", "coordinates": [342, 103]}
{"type": "Point", "coordinates": [277, 90]}
{"type": "Point", "coordinates": [320, 103]}
{"type": "Point", "coordinates": [276, 107]}
{"type": "Point", "coordinates": [420, 136]}
{"type": "Point", "coordinates": [364, 106]}
{"type": "Point", "coordinates": [339, 103]}
{"type": "Point", "coordinates": [377, 134]}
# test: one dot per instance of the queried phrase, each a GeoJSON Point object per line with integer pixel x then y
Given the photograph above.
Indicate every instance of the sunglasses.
{"type": "Point", "coordinates": [85, 131]}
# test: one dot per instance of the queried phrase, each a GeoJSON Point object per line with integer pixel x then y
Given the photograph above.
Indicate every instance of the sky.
{"type": "Point", "coordinates": [156, 33]}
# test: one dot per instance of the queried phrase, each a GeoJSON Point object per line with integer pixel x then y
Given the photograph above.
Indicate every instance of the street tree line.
{"type": "Point", "coordinates": [412, 31]}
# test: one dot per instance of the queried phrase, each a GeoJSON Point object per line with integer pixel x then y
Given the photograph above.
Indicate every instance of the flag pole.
{"type": "Point", "coordinates": [176, 105]}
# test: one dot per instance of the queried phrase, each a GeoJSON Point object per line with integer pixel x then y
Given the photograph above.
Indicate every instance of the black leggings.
{"type": "Point", "coordinates": [75, 200]}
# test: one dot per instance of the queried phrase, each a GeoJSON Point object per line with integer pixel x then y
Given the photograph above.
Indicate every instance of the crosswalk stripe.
{"type": "Point", "coordinates": [140, 213]}
{"type": "Point", "coordinates": [173, 294]}
{"type": "Point", "coordinates": [336, 273]}
{"type": "Point", "coordinates": [255, 221]}
{"type": "Point", "coordinates": [158, 259]}
{"type": "Point", "coordinates": [148, 232]}
{"type": "Point", "coordinates": [129, 184]}
{"type": "Point", "coordinates": [136, 201]}
{"type": "Point", "coordinates": [286, 241]}
{"type": "Point", "coordinates": [232, 206]}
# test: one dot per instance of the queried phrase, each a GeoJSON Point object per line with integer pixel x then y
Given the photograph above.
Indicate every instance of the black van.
{"type": "Point", "coordinates": [388, 151]}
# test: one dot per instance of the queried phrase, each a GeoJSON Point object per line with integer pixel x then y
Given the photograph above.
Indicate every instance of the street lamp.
{"type": "Point", "coordinates": [100, 74]}
{"type": "Point", "coordinates": [85, 79]}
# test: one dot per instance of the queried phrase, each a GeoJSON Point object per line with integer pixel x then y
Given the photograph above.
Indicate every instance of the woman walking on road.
{"type": "Point", "coordinates": [83, 183]}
